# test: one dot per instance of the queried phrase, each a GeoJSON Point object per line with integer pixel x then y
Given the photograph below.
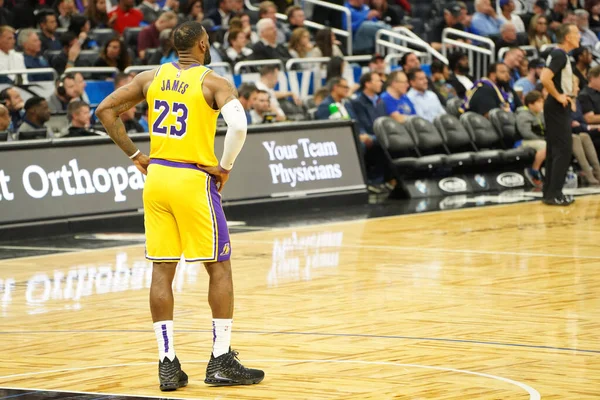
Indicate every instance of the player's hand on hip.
{"type": "Point", "coordinates": [563, 99]}
{"type": "Point", "coordinates": [220, 174]}
{"type": "Point", "coordinates": [141, 163]}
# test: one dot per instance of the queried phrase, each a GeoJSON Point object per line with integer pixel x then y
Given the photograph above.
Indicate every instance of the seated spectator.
{"type": "Point", "coordinates": [590, 98]}
{"type": "Point", "coordinates": [593, 7]}
{"type": "Point", "coordinates": [508, 15]}
{"type": "Point", "coordinates": [6, 16]}
{"type": "Point", "coordinates": [527, 83]}
{"type": "Point", "coordinates": [31, 44]}
{"type": "Point", "coordinates": [37, 114]}
{"type": "Point", "coordinates": [149, 37]}
{"type": "Point", "coordinates": [79, 117]}
{"type": "Point", "coordinates": [262, 111]}
{"type": "Point", "coordinates": [268, 10]}
{"type": "Point", "coordinates": [581, 66]}
{"type": "Point", "coordinates": [114, 54]}
{"type": "Point", "coordinates": [339, 93]}
{"type": "Point", "coordinates": [397, 104]}
{"type": "Point", "coordinates": [243, 25]}
{"type": "Point", "coordinates": [485, 20]}
{"type": "Point", "coordinates": [69, 57]}
{"type": "Point", "coordinates": [247, 95]}
{"type": "Point", "coordinates": [426, 103]}
{"type": "Point", "coordinates": [569, 18]}
{"type": "Point", "coordinates": [508, 36]}
{"type": "Point", "coordinates": [531, 127]}
{"type": "Point", "coordinates": [5, 121]}
{"type": "Point", "coordinates": [492, 92]}
{"type": "Point", "coordinates": [96, 14]}
{"type": "Point", "coordinates": [450, 19]}
{"type": "Point", "coordinates": [365, 24]}
{"type": "Point", "coordinates": [410, 61]}
{"type": "Point", "coordinates": [269, 76]}
{"type": "Point", "coordinates": [390, 14]}
{"type": "Point", "coordinates": [368, 106]}
{"type": "Point", "coordinates": [558, 13]}
{"type": "Point", "coordinates": [65, 8]}
{"type": "Point", "coordinates": [125, 16]}
{"type": "Point", "coordinates": [295, 18]}
{"type": "Point", "coordinates": [325, 45]}
{"type": "Point", "coordinates": [80, 86]}
{"type": "Point", "coordinates": [267, 47]}
{"type": "Point", "coordinates": [9, 58]}
{"type": "Point", "coordinates": [193, 11]}
{"type": "Point", "coordinates": [151, 10]}
{"type": "Point", "coordinates": [65, 91]}
{"type": "Point", "coordinates": [131, 124]}
{"type": "Point", "coordinates": [300, 45]}
{"type": "Point", "coordinates": [320, 96]}
{"type": "Point", "coordinates": [512, 59]}
{"type": "Point", "coordinates": [167, 51]}
{"type": "Point", "coordinates": [48, 25]}
{"type": "Point", "coordinates": [12, 100]}
{"type": "Point", "coordinates": [122, 79]}
{"type": "Point", "coordinates": [80, 26]}
{"type": "Point", "coordinates": [222, 15]}
{"type": "Point", "coordinates": [237, 50]}
{"type": "Point", "coordinates": [588, 37]}
{"type": "Point", "coordinates": [583, 145]}
{"type": "Point", "coordinates": [538, 32]}
{"type": "Point", "coordinates": [440, 74]}
{"type": "Point", "coordinates": [377, 65]}
{"type": "Point", "coordinates": [460, 80]}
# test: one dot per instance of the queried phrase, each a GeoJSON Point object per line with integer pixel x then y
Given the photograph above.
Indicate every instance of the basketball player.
{"type": "Point", "coordinates": [557, 78]}
{"type": "Point", "coordinates": [182, 201]}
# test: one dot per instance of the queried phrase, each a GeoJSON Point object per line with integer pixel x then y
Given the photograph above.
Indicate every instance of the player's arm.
{"type": "Point", "coordinates": [117, 103]}
{"type": "Point", "coordinates": [226, 98]}
{"type": "Point", "coordinates": [557, 62]}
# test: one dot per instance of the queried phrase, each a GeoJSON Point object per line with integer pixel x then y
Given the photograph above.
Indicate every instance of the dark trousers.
{"type": "Point", "coordinates": [559, 146]}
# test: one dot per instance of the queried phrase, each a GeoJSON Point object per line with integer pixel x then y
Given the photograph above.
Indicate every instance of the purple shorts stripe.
{"type": "Point", "coordinates": [224, 245]}
{"type": "Point", "coordinates": [175, 164]}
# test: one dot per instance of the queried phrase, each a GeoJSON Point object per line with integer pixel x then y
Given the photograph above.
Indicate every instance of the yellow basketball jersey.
{"type": "Point", "coordinates": [182, 125]}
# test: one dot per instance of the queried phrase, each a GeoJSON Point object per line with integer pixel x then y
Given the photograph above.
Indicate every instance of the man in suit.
{"type": "Point", "coordinates": [223, 14]}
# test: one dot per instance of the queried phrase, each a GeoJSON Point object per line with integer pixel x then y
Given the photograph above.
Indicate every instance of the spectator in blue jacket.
{"type": "Point", "coordinates": [485, 21]}
{"type": "Point", "coordinates": [339, 90]}
{"type": "Point", "coordinates": [368, 106]}
{"type": "Point", "coordinates": [365, 24]}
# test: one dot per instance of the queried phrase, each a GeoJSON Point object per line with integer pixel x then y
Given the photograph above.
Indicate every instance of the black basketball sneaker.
{"type": "Point", "coordinates": [226, 370]}
{"type": "Point", "coordinates": [171, 375]}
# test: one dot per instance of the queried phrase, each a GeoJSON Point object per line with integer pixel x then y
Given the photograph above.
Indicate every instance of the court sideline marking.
{"type": "Point", "coordinates": [533, 393]}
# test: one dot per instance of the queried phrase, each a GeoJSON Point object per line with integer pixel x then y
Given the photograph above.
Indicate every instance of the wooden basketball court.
{"type": "Point", "coordinates": [487, 303]}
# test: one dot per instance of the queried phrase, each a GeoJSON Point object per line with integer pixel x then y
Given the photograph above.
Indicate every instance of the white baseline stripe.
{"type": "Point", "coordinates": [533, 394]}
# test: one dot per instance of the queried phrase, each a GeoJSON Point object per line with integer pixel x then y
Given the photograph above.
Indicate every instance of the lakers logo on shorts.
{"type": "Point", "coordinates": [226, 250]}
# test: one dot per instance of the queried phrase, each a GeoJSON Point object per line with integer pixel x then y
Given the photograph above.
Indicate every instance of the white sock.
{"type": "Point", "coordinates": [221, 336]}
{"type": "Point", "coordinates": [164, 337]}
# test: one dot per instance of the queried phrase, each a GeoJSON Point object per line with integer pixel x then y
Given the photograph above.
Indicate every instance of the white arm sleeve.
{"type": "Point", "coordinates": [237, 125]}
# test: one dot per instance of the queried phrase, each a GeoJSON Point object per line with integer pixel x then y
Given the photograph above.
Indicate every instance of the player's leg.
{"type": "Point", "coordinates": [224, 369]}
{"type": "Point", "coordinates": [163, 247]}
{"type": "Point", "coordinates": [205, 237]}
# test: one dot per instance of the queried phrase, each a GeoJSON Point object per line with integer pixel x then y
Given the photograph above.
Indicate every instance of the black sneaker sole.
{"type": "Point", "coordinates": [214, 382]}
{"type": "Point", "coordinates": [169, 387]}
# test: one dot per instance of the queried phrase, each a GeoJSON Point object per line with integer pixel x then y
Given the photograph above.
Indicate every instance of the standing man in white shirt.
{"type": "Point", "coordinates": [9, 58]}
{"type": "Point", "coordinates": [508, 15]}
{"type": "Point", "coordinates": [427, 105]}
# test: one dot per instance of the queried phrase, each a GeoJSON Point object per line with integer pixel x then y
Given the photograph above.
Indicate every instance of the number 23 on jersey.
{"type": "Point", "coordinates": [175, 113]}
